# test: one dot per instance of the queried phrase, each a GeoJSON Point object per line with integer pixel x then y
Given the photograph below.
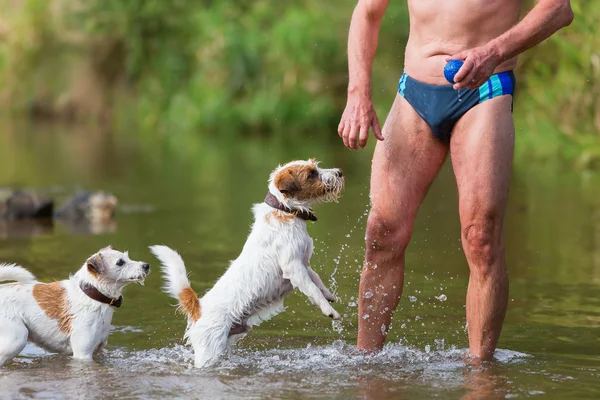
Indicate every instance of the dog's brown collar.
{"type": "Point", "coordinates": [95, 294]}
{"type": "Point", "coordinates": [271, 200]}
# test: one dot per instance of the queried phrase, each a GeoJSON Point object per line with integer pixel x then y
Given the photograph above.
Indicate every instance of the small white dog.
{"type": "Point", "coordinates": [71, 316]}
{"type": "Point", "coordinates": [274, 261]}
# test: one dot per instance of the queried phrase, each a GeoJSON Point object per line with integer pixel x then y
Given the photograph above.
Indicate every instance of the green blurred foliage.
{"type": "Point", "coordinates": [258, 65]}
{"type": "Point", "coordinates": [559, 101]}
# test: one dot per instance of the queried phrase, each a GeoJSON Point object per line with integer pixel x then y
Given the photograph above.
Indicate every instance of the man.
{"type": "Point", "coordinates": [471, 120]}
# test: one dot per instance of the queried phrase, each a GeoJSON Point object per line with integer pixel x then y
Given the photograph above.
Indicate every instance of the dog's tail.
{"type": "Point", "coordinates": [177, 284]}
{"type": "Point", "coordinates": [13, 272]}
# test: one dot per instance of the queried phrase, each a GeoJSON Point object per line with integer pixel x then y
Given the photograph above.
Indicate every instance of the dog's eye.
{"type": "Point", "coordinates": [120, 262]}
{"type": "Point", "coordinates": [313, 174]}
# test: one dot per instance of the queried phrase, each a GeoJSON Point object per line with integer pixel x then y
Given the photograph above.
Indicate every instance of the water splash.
{"type": "Point", "coordinates": [336, 357]}
{"type": "Point", "coordinates": [441, 297]}
{"type": "Point", "coordinates": [337, 326]}
{"type": "Point", "coordinates": [328, 370]}
{"type": "Point", "coordinates": [342, 252]}
{"type": "Point", "coordinates": [125, 329]}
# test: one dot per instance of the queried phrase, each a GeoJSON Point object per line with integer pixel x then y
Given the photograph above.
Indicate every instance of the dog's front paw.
{"type": "Point", "coordinates": [330, 312]}
{"type": "Point", "coordinates": [335, 315]}
{"type": "Point", "coordinates": [330, 297]}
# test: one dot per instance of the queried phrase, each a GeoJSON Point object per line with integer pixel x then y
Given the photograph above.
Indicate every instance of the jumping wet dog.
{"type": "Point", "coordinates": [274, 260]}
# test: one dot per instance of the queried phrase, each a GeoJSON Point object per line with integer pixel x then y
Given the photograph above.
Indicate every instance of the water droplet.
{"type": "Point", "coordinates": [441, 297]}
{"type": "Point", "coordinates": [337, 326]}
{"type": "Point", "coordinates": [412, 299]}
{"type": "Point", "coordinates": [427, 348]}
{"type": "Point", "coordinates": [365, 316]}
{"type": "Point", "coordinates": [368, 295]}
{"type": "Point", "coordinates": [374, 266]}
{"type": "Point", "coordinates": [383, 329]}
{"type": "Point", "coordinates": [352, 304]}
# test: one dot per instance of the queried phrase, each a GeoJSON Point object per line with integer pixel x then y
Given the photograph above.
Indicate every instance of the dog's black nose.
{"type": "Point", "coordinates": [146, 267]}
{"type": "Point", "coordinates": [340, 173]}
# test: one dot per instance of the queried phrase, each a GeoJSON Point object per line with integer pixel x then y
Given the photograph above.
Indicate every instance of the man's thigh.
{"type": "Point", "coordinates": [404, 164]}
{"type": "Point", "coordinates": [481, 150]}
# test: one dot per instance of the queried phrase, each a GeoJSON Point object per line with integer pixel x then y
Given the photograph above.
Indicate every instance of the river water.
{"type": "Point", "coordinates": [195, 193]}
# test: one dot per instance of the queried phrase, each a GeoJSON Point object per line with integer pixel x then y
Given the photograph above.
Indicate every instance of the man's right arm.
{"type": "Point", "coordinates": [362, 44]}
{"type": "Point", "coordinates": [359, 114]}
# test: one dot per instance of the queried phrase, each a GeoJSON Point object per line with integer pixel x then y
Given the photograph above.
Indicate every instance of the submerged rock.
{"type": "Point", "coordinates": [24, 204]}
{"type": "Point", "coordinates": [26, 213]}
{"type": "Point", "coordinates": [21, 204]}
{"type": "Point", "coordinates": [92, 206]}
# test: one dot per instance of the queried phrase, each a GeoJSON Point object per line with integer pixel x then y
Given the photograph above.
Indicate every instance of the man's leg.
{"type": "Point", "coordinates": [404, 165]}
{"type": "Point", "coordinates": [482, 150]}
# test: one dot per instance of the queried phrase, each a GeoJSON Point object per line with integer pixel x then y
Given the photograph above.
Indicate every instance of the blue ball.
{"type": "Point", "coordinates": [451, 69]}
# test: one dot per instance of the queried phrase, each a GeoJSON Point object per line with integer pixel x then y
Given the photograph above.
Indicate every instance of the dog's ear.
{"type": "Point", "coordinates": [95, 265]}
{"type": "Point", "coordinates": [286, 183]}
{"type": "Point", "coordinates": [109, 247]}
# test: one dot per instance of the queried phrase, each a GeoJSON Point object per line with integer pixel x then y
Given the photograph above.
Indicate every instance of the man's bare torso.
{"type": "Point", "coordinates": [440, 28]}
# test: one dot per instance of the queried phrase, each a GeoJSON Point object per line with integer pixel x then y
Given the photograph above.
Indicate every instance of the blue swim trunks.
{"type": "Point", "coordinates": [441, 106]}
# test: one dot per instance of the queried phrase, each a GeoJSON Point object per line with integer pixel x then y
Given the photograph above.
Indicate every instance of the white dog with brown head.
{"type": "Point", "coordinates": [274, 261]}
{"type": "Point", "coordinates": [71, 316]}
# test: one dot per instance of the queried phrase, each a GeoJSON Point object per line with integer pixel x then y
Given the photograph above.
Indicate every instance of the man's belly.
{"type": "Point", "coordinates": [429, 68]}
{"type": "Point", "coordinates": [442, 29]}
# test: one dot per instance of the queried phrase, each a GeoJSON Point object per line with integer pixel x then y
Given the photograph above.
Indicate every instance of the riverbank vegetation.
{"type": "Point", "coordinates": [264, 67]}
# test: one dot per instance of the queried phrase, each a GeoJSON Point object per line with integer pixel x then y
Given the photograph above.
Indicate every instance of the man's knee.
{"type": "Point", "coordinates": [482, 242]}
{"type": "Point", "coordinates": [387, 235]}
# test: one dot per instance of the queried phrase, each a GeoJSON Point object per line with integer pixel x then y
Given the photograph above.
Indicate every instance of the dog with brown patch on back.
{"type": "Point", "coordinates": [71, 316]}
{"type": "Point", "coordinates": [274, 261]}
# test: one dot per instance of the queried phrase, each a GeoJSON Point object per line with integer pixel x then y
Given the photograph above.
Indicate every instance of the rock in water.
{"type": "Point", "coordinates": [92, 206]}
{"type": "Point", "coordinates": [21, 204]}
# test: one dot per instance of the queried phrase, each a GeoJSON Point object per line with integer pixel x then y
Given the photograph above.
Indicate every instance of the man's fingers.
{"type": "Point", "coordinates": [472, 79]}
{"type": "Point", "coordinates": [346, 134]}
{"type": "Point", "coordinates": [364, 135]}
{"type": "Point", "coordinates": [341, 127]}
{"type": "Point", "coordinates": [353, 137]}
{"type": "Point", "coordinates": [468, 80]}
{"type": "Point", "coordinates": [464, 71]}
{"type": "Point", "coordinates": [376, 128]}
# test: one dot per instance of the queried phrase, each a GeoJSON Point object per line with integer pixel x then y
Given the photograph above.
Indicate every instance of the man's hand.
{"type": "Point", "coordinates": [479, 65]}
{"type": "Point", "coordinates": [358, 117]}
